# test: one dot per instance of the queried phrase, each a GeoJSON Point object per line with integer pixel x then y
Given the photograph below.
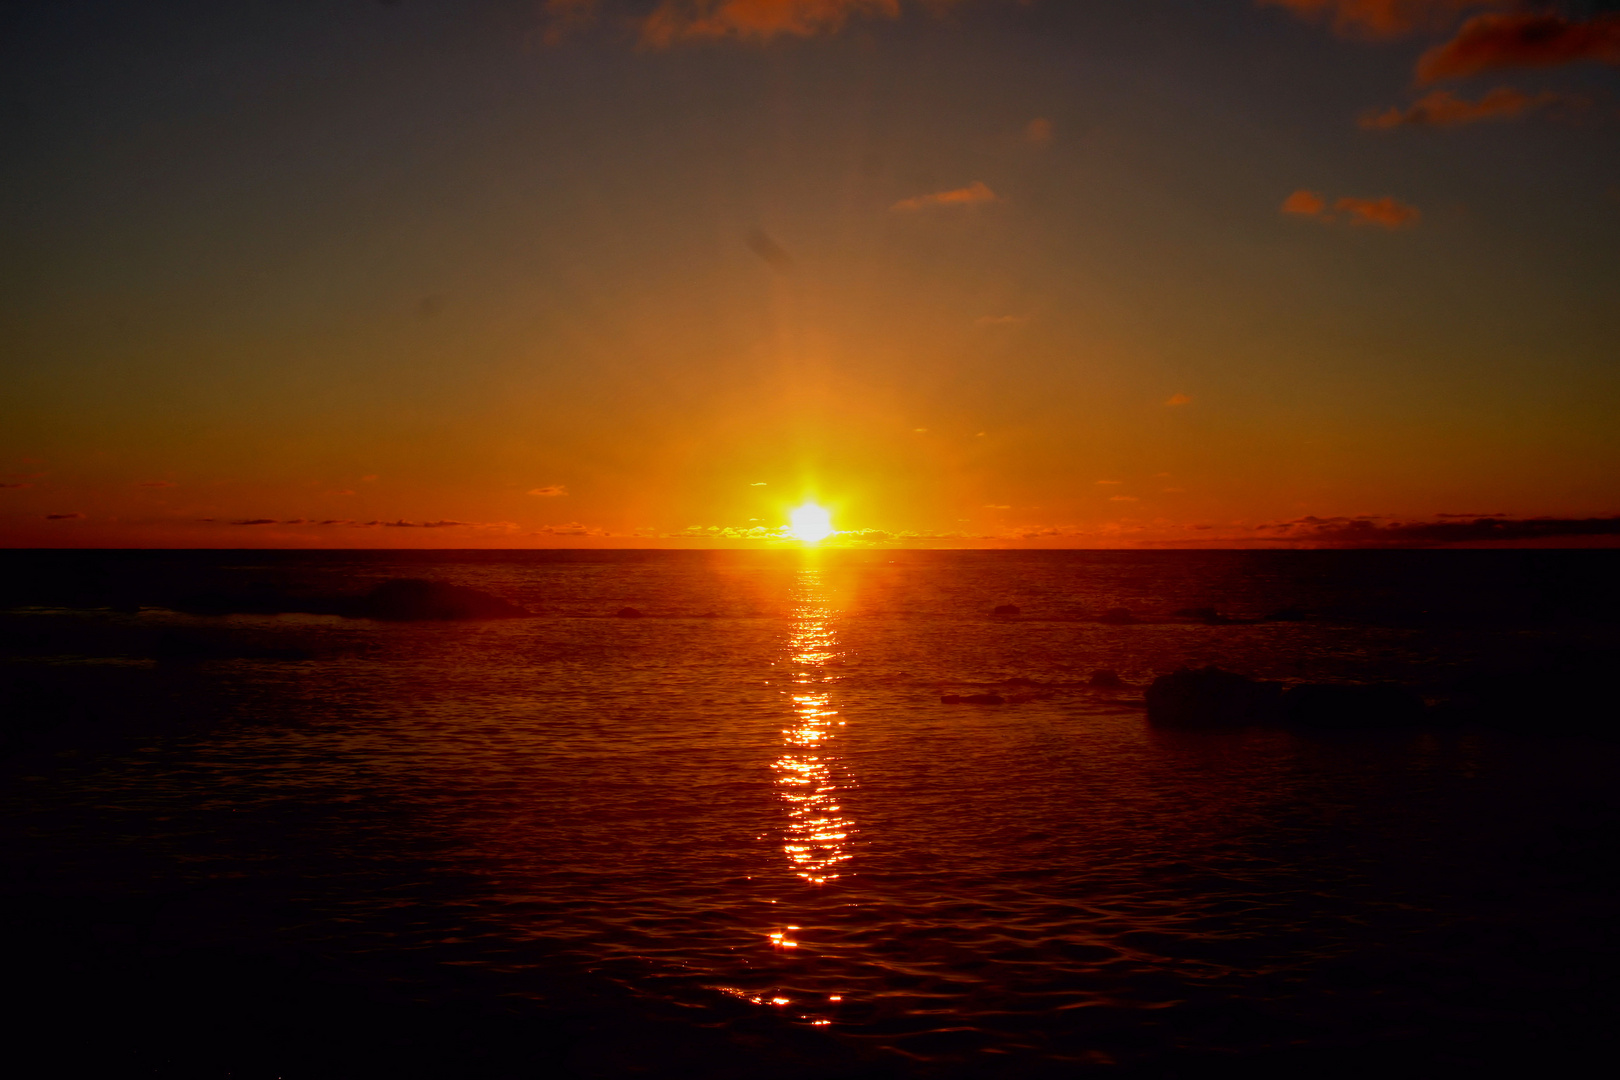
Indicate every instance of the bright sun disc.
{"type": "Point", "coordinates": [810, 523]}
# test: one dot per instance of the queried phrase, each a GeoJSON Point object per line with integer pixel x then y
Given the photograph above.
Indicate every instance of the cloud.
{"type": "Point", "coordinates": [1442, 108]}
{"type": "Point", "coordinates": [974, 193]}
{"type": "Point", "coordinates": [573, 528]}
{"type": "Point", "coordinates": [1382, 18]}
{"type": "Point", "coordinates": [64, 517]}
{"type": "Point", "coordinates": [1038, 131]}
{"type": "Point", "coordinates": [756, 20]}
{"type": "Point", "coordinates": [761, 244]}
{"type": "Point", "coordinates": [257, 521]}
{"type": "Point", "coordinates": [993, 506]}
{"type": "Point", "coordinates": [549, 491]}
{"type": "Point", "coordinates": [1179, 399]}
{"type": "Point", "coordinates": [1304, 203]}
{"type": "Point", "coordinates": [1385, 212]}
{"type": "Point", "coordinates": [1521, 40]}
{"type": "Point", "coordinates": [18, 485]}
{"type": "Point", "coordinates": [1001, 320]}
{"type": "Point", "coordinates": [159, 483]}
{"type": "Point", "coordinates": [1123, 498]}
{"type": "Point", "coordinates": [760, 484]}
{"type": "Point", "coordinates": [1371, 532]}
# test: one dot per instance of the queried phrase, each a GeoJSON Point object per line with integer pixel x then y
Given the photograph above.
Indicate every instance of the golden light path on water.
{"type": "Point", "coordinates": [817, 837]}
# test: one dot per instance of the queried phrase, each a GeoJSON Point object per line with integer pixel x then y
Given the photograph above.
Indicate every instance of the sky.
{"type": "Point", "coordinates": [563, 273]}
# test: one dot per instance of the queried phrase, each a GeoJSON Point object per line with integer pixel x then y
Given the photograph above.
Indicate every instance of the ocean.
{"type": "Point", "coordinates": [737, 829]}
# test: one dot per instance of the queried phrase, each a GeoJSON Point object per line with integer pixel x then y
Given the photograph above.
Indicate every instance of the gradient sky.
{"type": "Point", "coordinates": [453, 273]}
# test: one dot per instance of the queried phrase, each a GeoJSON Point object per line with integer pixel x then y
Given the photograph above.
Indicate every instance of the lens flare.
{"type": "Point", "coordinates": [811, 523]}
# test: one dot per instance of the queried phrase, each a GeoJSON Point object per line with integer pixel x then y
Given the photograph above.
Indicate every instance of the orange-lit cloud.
{"type": "Point", "coordinates": [1179, 399]}
{"type": "Point", "coordinates": [975, 193]}
{"type": "Point", "coordinates": [64, 517]}
{"type": "Point", "coordinates": [1382, 18]}
{"type": "Point", "coordinates": [16, 485]}
{"type": "Point", "coordinates": [1038, 131]}
{"type": "Point", "coordinates": [1305, 203]}
{"type": "Point", "coordinates": [1442, 108]}
{"type": "Point", "coordinates": [1386, 212]}
{"type": "Point", "coordinates": [549, 491]}
{"type": "Point", "coordinates": [759, 20]}
{"type": "Point", "coordinates": [1521, 40]}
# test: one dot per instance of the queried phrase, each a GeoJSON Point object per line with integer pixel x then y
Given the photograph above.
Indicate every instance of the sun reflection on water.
{"type": "Point", "coordinates": [817, 837]}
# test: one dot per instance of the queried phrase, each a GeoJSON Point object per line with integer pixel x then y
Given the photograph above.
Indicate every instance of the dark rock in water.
{"type": "Point", "coordinates": [1326, 706]}
{"type": "Point", "coordinates": [1203, 614]}
{"type": "Point", "coordinates": [950, 699]}
{"type": "Point", "coordinates": [1287, 614]}
{"type": "Point", "coordinates": [1005, 609]}
{"type": "Point", "coordinates": [1118, 616]}
{"type": "Point", "coordinates": [412, 599]}
{"type": "Point", "coordinates": [1105, 680]}
{"type": "Point", "coordinates": [1211, 697]}
{"type": "Point", "coordinates": [627, 613]}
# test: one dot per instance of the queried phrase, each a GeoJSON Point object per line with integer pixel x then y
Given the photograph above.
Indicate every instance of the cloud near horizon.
{"type": "Point", "coordinates": [74, 516]}
{"type": "Point", "coordinates": [975, 193]}
{"type": "Point", "coordinates": [549, 491]}
{"type": "Point", "coordinates": [1521, 40]}
{"type": "Point", "coordinates": [1370, 532]}
{"type": "Point", "coordinates": [1442, 108]}
{"type": "Point", "coordinates": [1382, 18]}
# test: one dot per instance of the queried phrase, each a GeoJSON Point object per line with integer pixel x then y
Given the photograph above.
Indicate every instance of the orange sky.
{"type": "Point", "coordinates": [651, 274]}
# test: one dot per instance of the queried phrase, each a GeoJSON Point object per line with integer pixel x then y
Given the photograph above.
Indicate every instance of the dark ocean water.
{"type": "Point", "coordinates": [742, 833]}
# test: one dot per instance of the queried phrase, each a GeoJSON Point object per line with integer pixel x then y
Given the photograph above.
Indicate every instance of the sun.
{"type": "Point", "coordinates": [811, 524]}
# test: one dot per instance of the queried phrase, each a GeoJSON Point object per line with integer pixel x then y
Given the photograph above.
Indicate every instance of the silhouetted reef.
{"type": "Point", "coordinates": [1573, 695]}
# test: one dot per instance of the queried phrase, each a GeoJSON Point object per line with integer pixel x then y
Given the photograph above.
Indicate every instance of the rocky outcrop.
{"type": "Point", "coordinates": [1211, 697]}
{"type": "Point", "coordinates": [415, 599]}
{"type": "Point", "coordinates": [1319, 705]}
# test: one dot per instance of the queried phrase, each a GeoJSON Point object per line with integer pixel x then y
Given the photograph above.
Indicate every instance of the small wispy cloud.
{"type": "Point", "coordinates": [74, 516]}
{"type": "Point", "coordinates": [976, 193]}
{"type": "Point", "coordinates": [549, 491]}
{"type": "Point", "coordinates": [1124, 498]}
{"type": "Point", "coordinates": [1038, 131]}
{"type": "Point", "coordinates": [1178, 399]}
{"type": "Point", "coordinates": [1386, 212]}
{"type": "Point", "coordinates": [1382, 18]}
{"type": "Point", "coordinates": [760, 484]}
{"type": "Point", "coordinates": [1001, 320]}
{"type": "Point", "coordinates": [761, 243]}
{"type": "Point", "coordinates": [1442, 108]}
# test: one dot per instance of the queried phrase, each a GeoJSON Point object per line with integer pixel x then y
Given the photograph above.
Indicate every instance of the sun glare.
{"type": "Point", "coordinates": [811, 523]}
